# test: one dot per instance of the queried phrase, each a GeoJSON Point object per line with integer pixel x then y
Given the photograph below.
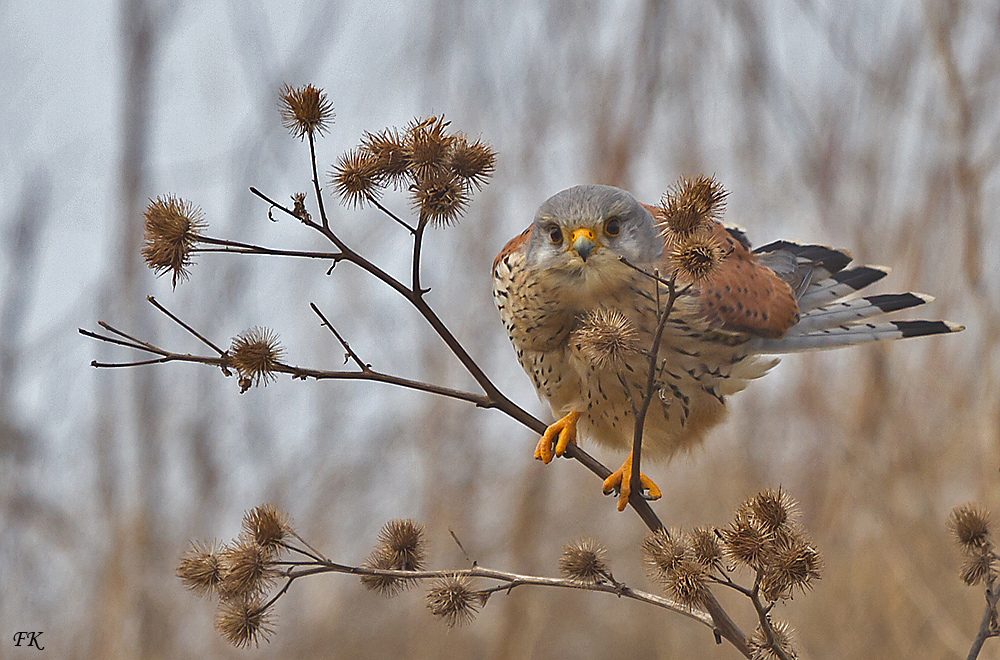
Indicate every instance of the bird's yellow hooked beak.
{"type": "Point", "coordinates": [583, 242]}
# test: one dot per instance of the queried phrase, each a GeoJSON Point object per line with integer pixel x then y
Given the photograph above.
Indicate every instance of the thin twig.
{"type": "Point", "coordinates": [454, 536]}
{"type": "Point", "coordinates": [139, 346]}
{"type": "Point", "coordinates": [294, 371]}
{"type": "Point", "coordinates": [152, 301]}
{"type": "Point", "coordinates": [765, 620]}
{"type": "Point", "coordinates": [654, 356]}
{"type": "Point", "coordinates": [511, 580]}
{"type": "Point", "coordinates": [306, 543]}
{"type": "Point", "coordinates": [274, 203]}
{"type": "Point", "coordinates": [987, 626]}
{"type": "Point", "coordinates": [237, 247]}
{"type": "Point", "coordinates": [392, 215]}
{"type": "Point", "coordinates": [418, 239]}
{"type": "Point", "coordinates": [343, 342]}
{"type": "Point", "coordinates": [319, 193]}
{"type": "Point", "coordinates": [137, 363]}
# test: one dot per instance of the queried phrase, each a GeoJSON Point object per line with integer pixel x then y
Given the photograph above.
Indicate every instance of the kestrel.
{"type": "Point", "coordinates": [583, 267]}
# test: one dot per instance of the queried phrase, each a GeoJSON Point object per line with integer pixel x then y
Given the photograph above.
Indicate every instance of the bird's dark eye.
{"type": "Point", "coordinates": [613, 226]}
{"type": "Point", "coordinates": [555, 235]}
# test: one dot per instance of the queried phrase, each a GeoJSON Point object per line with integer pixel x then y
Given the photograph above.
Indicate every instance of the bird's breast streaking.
{"type": "Point", "coordinates": [580, 260]}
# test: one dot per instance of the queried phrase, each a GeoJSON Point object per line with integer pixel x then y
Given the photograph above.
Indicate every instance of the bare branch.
{"type": "Point", "coordinates": [988, 625]}
{"type": "Point", "coordinates": [343, 342]}
{"type": "Point", "coordinates": [184, 325]}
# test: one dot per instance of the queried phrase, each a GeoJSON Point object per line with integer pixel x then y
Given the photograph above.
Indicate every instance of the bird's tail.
{"type": "Point", "coordinates": [827, 319]}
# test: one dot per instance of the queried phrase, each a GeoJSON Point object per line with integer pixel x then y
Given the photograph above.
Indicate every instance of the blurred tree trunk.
{"type": "Point", "coordinates": [127, 430]}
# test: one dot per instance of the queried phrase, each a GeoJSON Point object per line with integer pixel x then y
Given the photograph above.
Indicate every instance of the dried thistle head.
{"type": "Point", "coordinates": [248, 570]}
{"type": "Point", "coordinates": [200, 569]}
{"type": "Point", "coordinates": [705, 546]}
{"type": "Point", "coordinates": [473, 162]}
{"type": "Point", "coordinates": [773, 509]}
{"type": "Point", "coordinates": [255, 355]}
{"type": "Point", "coordinates": [670, 560]}
{"type": "Point", "coordinates": [745, 542]}
{"type": "Point", "coordinates": [971, 525]}
{"type": "Point", "coordinates": [400, 547]}
{"type": "Point", "coordinates": [690, 204]}
{"type": "Point", "coordinates": [384, 585]}
{"type": "Point", "coordinates": [793, 564]}
{"type": "Point", "coordinates": [980, 565]}
{"type": "Point", "coordinates": [244, 622]}
{"type": "Point", "coordinates": [696, 257]}
{"type": "Point", "coordinates": [305, 111]}
{"type": "Point", "coordinates": [584, 560]}
{"type": "Point", "coordinates": [783, 639]}
{"type": "Point", "coordinates": [428, 147]}
{"type": "Point", "coordinates": [440, 197]}
{"type": "Point", "coordinates": [171, 227]}
{"type": "Point", "coordinates": [403, 542]}
{"type": "Point", "coordinates": [606, 338]}
{"type": "Point", "coordinates": [663, 550]}
{"type": "Point", "coordinates": [453, 599]}
{"type": "Point", "coordinates": [685, 582]}
{"type": "Point", "coordinates": [268, 526]}
{"type": "Point", "coordinates": [388, 155]}
{"type": "Point", "coordinates": [355, 177]}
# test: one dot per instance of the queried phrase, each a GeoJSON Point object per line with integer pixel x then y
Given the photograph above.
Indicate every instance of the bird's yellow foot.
{"type": "Point", "coordinates": [621, 480]}
{"type": "Point", "coordinates": [562, 433]}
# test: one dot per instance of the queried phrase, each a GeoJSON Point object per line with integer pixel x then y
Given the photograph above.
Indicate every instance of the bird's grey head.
{"type": "Point", "coordinates": [585, 229]}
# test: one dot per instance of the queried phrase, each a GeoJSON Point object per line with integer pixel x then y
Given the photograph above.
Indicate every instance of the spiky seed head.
{"type": "Point", "coordinates": [690, 204]}
{"type": "Point", "coordinates": [388, 154]}
{"type": "Point", "coordinates": [584, 560]}
{"type": "Point", "coordinates": [696, 257]}
{"type": "Point", "coordinates": [783, 637]}
{"type": "Point", "coordinates": [980, 564]}
{"type": "Point", "coordinates": [705, 546]}
{"type": "Point", "coordinates": [793, 564]}
{"type": "Point", "coordinates": [244, 622]}
{"type": "Point", "coordinates": [268, 526]}
{"type": "Point", "coordinates": [664, 549]}
{"type": "Point", "coordinates": [255, 355]}
{"type": "Point", "coordinates": [305, 111]}
{"type": "Point", "coordinates": [473, 162]}
{"type": "Point", "coordinates": [971, 525]}
{"type": "Point", "coordinates": [200, 569]}
{"type": "Point", "coordinates": [428, 147]}
{"type": "Point", "coordinates": [773, 509]}
{"type": "Point", "coordinates": [745, 542]}
{"type": "Point", "coordinates": [439, 198]}
{"type": "Point", "coordinates": [248, 570]}
{"type": "Point", "coordinates": [453, 599]}
{"type": "Point", "coordinates": [606, 338]}
{"type": "Point", "coordinates": [384, 585]}
{"type": "Point", "coordinates": [355, 178]}
{"type": "Point", "coordinates": [685, 582]}
{"type": "Point", "coordinates": [403, 542]}
{"type": "Point", "coordinates": [171, 228]}
{"type": "Point", "coordinates": [400, 547]}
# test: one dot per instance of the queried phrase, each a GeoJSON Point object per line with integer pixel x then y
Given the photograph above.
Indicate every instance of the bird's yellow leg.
{"type": "Point", "coordinates": [621, 480]}
{"type": "Point", "coordinates": [562, 433]}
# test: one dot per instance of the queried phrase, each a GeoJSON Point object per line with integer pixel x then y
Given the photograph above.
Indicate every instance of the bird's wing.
{"type": "Point", "coordinates": [508, 266]}
{"type": "Point", "coordinates": [743, 295]}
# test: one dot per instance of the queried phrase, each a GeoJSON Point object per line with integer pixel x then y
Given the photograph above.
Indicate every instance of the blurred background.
{"type": "Point", "coordinates": [869, 125]}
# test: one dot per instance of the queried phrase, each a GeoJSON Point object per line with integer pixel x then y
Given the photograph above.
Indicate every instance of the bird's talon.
{"type": "Point", "coordinates": [561, 433]}
{"type": "Point", "coordinates": [621, 481]}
